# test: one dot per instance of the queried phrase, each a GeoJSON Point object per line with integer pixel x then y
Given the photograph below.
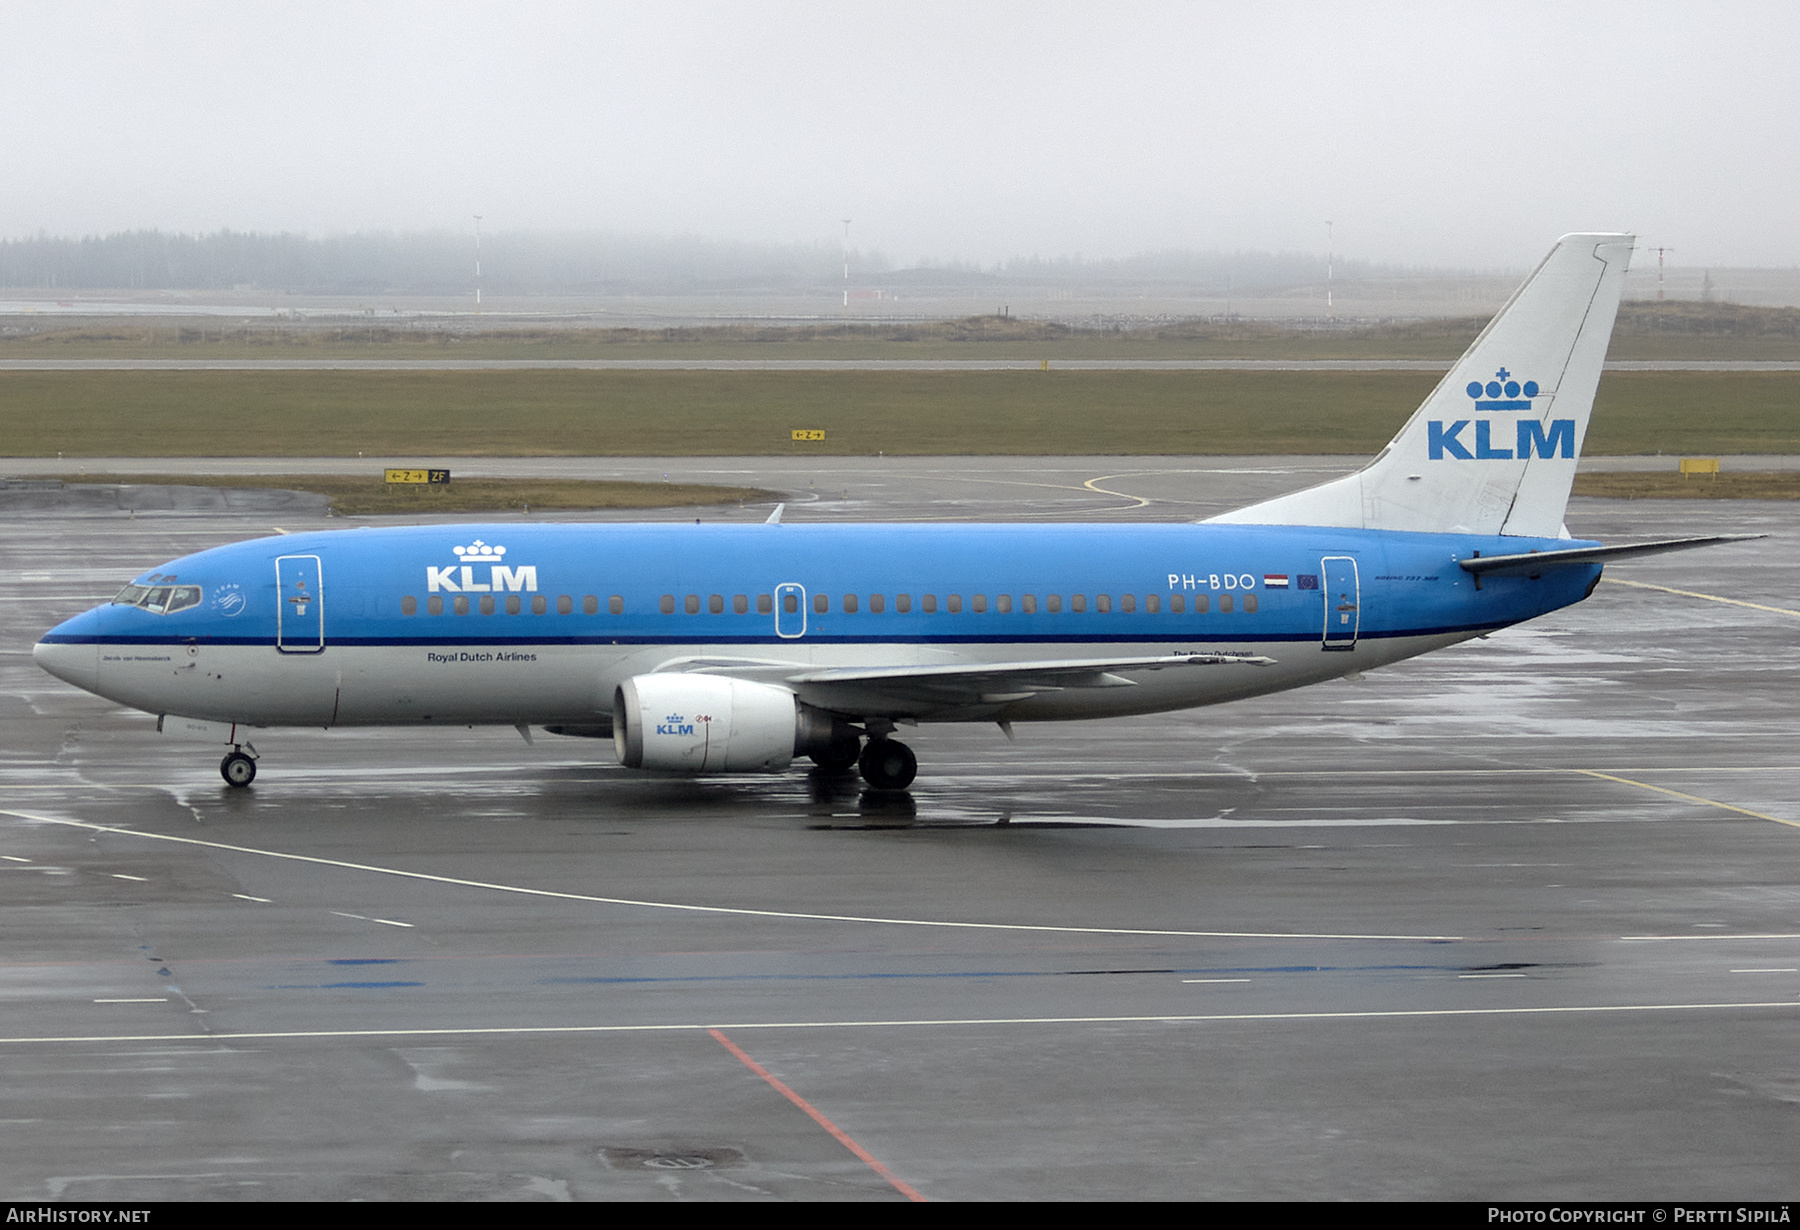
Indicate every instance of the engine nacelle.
{"type": "Point", "coordinates": [714, 724]}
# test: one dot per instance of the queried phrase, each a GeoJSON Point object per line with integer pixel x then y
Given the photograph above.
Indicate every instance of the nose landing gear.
{"type": "Point", "coordinates": [238, 768]}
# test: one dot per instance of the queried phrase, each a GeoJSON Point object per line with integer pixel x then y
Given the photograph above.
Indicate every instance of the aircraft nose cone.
{"type": "Point", "coordinates": [72, 663]}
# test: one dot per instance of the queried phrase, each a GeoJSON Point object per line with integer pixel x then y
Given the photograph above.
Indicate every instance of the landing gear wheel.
{"type": "Point", "coordinates": [841, 755]}
{"type": "Point", "coordinates": [237, 769]}
{"type": "Point", "coordinates": [887, 765]}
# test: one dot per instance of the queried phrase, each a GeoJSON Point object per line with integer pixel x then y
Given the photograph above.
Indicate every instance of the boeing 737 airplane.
{"type": "Point", "coordinates": [734, 648]}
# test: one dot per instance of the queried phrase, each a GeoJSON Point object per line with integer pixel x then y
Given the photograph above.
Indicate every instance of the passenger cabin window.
{"type": "Point", "coordinates": [435, 605]}
{"type": "Point", "coordinates": [691, 604]}
{"type": "Point", "coordinates": [1202, 604]}
{"type": "Point", "coordinates": [1128, 604]}
{"type": "Point", "coordinates": [876, 604]}
{"type": "Point", "coordinates": [615, 605]}
{"type": "Point", "coordinates": [928, 604]}
{"type": "Point", "coordinates": [1053, 604]}
{"type": "Point", "coordinates": [978, 604]}
{"type": "Point", "coordinates": [849, 604]}
{"type": "Point", "coordinates": [1225, 604]}
{"type": "Point", "coordinates": [1103, 603]}
{"type": "Point", "coordinates": [538, 605]}
{"type": "Point", "coordinates": [668, 604]}
{"type": "Point", "coordinates": [487, 604]}
{"type": "Point", "coordinates": [821, 604]}
{"type": "Point", "coordinates": [460, 604]}
{"type": "Point", "coordinates": [765, 604]}
{"type": "Point", "coordinates": [903, 603]}
{"type": "Point", "coordinates": [565, 605]}
{"type": "Point", "coordinates": [715, 604]}
{"type": "Point", "coordinates": [953, 604]}
{"type": "Point", "coordinates": [1028, 604]}
{"type": "Point", "coordinates": [790, 603]}
{"type": "Point", "coordinates": [590, 605]}
{"type": "Point", "coordinates": [409, 605]}
{"type": "Point", "coordinates": [740, 604]}
{"type": "Point", "coordinates": [1078, 603]}
{"type": "Point", "coordinates": [1152, 604]}
{"type": "Point", "coordinates": [1250, 603]}
{"type": "Point", "coordinates": [1175, 604]}
{"type": "Point", "coordinates": [513, 605]}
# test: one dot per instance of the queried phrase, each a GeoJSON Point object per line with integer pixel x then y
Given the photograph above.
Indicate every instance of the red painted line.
{"type": "Point", "coordinates": [843, 1138]}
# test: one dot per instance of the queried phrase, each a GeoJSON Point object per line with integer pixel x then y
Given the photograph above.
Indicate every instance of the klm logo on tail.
{"type": "Point", "coordinates": [1530, 436]}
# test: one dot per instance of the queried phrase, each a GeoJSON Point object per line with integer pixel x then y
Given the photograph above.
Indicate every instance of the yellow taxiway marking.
{"type": "Point", "coordinates": [699, 909]}
{"type": "Point", "coordinates": [1689, 593]}
{"type": "Point", "coordinates": [1166, 1018]}
{"type": "Point", "coordinates": [1140, 501]}
{"type": "Point", "coordinates": [1692, 798]}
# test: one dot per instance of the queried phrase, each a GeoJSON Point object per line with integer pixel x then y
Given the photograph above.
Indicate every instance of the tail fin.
{"type": "Point", "coordinates": [1493, 449]}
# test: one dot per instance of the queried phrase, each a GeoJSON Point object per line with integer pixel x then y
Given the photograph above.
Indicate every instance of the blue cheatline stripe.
{"type": "Point", "coordinates": [1164, 636]}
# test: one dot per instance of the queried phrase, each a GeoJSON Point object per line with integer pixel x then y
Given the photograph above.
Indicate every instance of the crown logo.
{"type": "Point", "coordinates": [1502, 392]}
{"type": "Point", "coordinates": [479, 552]}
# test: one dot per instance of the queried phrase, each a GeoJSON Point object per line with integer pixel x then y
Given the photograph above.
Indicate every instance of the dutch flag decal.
{"type": "Point", "coordinates": [1275, 580]}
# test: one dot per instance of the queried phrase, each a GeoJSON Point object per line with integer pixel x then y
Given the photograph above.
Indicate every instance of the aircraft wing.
{"type": "Point", "coordinates": [930, 688]}
{"type": "Point", "coordinates": [1530, 563]}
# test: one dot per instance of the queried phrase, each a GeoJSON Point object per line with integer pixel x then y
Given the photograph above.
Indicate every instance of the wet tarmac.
{"type": "Point", "coordinates": [1518, 920]}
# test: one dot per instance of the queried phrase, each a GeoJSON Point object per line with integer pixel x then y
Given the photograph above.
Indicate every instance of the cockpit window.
{"type": "Point", "coordinates": [160, 599]}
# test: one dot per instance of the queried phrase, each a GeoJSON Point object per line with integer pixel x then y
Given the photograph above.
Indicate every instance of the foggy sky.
{"type": "Point", "coordinates": [1463, 135]}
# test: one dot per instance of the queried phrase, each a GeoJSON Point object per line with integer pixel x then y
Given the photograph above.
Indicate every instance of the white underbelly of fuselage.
{"type": "Point", "coordinates": [573, 684]}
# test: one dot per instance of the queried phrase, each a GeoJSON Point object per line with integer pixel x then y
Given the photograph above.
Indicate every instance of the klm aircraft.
{"type": "Point", "coordinates": [736, 648]}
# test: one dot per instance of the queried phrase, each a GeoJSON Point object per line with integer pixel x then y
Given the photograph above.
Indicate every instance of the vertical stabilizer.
{"type": "Point", "coordinates": [1493, 449]}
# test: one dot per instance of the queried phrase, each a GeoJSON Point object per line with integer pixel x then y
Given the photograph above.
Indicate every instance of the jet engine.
{"type": "Point", "coordinates": [715, 724]}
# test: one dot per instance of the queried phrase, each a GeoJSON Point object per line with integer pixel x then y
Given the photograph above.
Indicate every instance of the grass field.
{"type": "Point", "coordinates": [1767, 485]}
{"type": "Point", "coordinates": [1671, 330]}
{"type": "Point", "coordinates": [354, 497]}
{"type": "Point", "coordinates": [709, 413]}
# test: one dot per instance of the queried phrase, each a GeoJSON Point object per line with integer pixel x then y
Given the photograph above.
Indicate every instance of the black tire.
{"type": "Point", "coordinates": [841, 755]}
{"type": "Point", "coordinates": [888, 765]}
{"type": "Point", "coordinates": [238, 770]}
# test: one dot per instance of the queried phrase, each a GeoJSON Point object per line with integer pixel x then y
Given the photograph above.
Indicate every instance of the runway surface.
{"type": "Point", "coordinates": [1516, 920]}
{"type": "Point", "coordinates": [840, 365]}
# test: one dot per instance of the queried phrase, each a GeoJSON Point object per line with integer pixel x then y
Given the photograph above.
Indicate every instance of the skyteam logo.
{"type": "Point", "coordinates": [1531, 437]}
{"type": "Point", "coordinates": [500, 577]}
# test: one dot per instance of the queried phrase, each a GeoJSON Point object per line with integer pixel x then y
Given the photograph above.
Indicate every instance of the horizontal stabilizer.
{"type": "Point", "coordinates": [1531, 563]}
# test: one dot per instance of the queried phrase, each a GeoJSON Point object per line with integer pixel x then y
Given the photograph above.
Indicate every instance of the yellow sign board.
{"type": "Point", "coordinates": [417, 476]}
{"type": "Point", "coordinates": [809, 433]}
{"type": "Point", "coordinates": [1699, 465]}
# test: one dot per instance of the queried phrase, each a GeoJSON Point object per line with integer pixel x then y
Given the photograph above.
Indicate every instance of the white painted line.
{"type": "Point", "coordinates": [1170, 1018]}
{"type": "Point", "coordinates": [13, 858]}
{"type": "Point", "coordinates": [365, 918]}
{"type": "Point", "coordinates": [152, 999]}
{"type": "Point", "coordinates": [248, 897]}
{"type": "Point", "coordinates": [1490, 975]}
{"type": "Point", "coordinates": [1773, 935]}
{"type": "Point", "coordinates": [732, 911]}
{"type": "Point", "coordinates": [1788, 970]}
{"type": "Point", "coordinates": [1200, 981]}
{"type": "Point", "coordinates": [119, 875]}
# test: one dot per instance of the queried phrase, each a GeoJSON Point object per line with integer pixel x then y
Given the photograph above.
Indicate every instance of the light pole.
{"type": "Point", "coordinates": [478, 264]}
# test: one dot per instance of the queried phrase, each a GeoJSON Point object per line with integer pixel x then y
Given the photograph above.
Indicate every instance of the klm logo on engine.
{"type": "Point", "coordinates": [1530, 437]}
{"type": "Point", "coordinates": [497, 576]}
{"type": "Point", "coordinates": [674, 724]}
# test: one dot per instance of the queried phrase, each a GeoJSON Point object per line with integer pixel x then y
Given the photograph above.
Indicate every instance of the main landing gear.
{"type": "Point", "coordinates": [887, 764]}
{"type": "Point", "coordinates": [238, 768]}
